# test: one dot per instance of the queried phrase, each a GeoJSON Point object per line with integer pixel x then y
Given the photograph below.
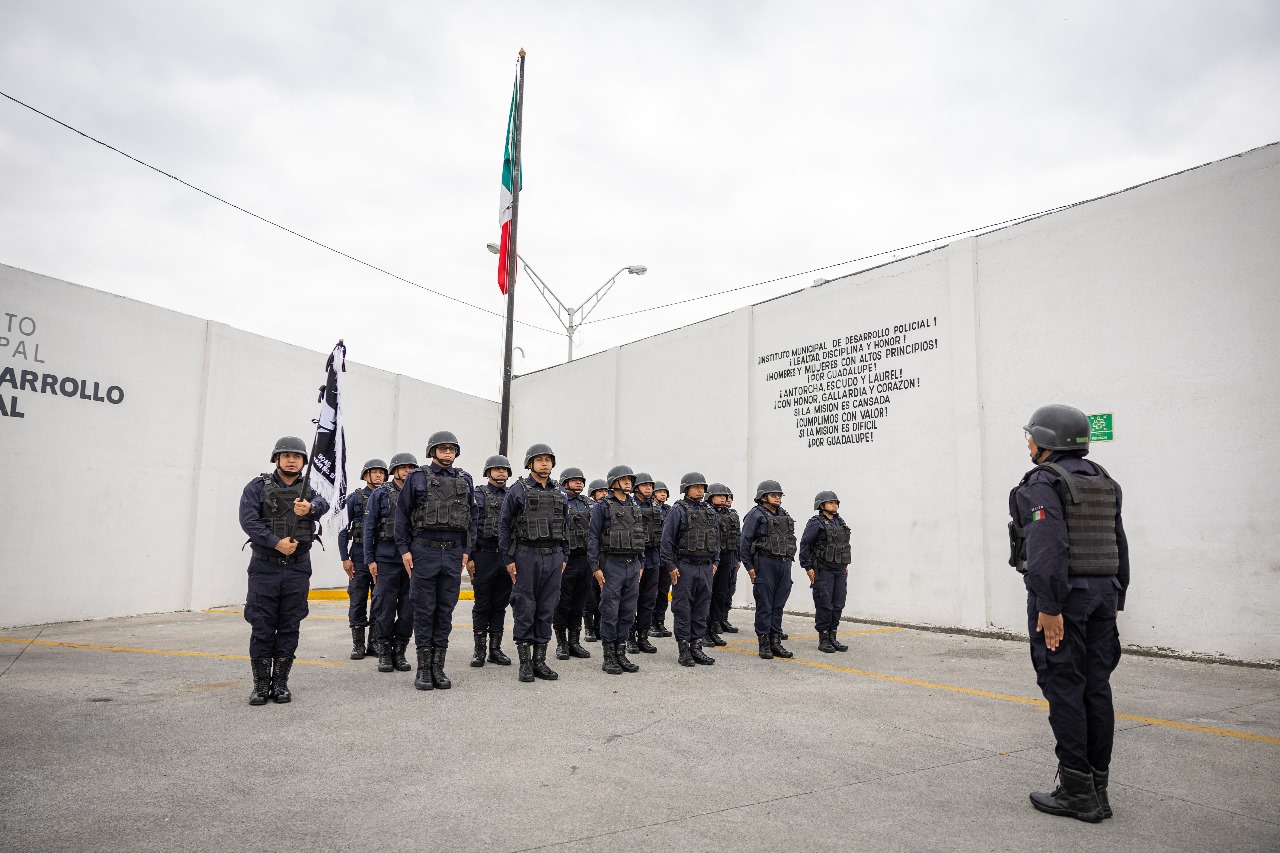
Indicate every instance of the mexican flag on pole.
{"type": "Point", "coordinates": [506, 196]}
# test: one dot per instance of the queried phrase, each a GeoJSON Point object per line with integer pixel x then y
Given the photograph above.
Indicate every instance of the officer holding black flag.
{"type": "Point", "coordinates": [392, 606]}
{"type": "Point", "coordinates": [278, 513]}
{"type": "Point", "coordinates": [1068, 540]}
{"type": "Point", "coordinates": [351, 551]}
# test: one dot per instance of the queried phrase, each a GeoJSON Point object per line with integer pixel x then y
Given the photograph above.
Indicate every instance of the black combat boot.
{"type": "Point", "coordinates": [824, 642]}
{"type": "Point", "coordinates": [373, 646]}
{"type": "Point", "coordinates": [627, 666]}
{"type": "Point", "coordinates": [1074, 797]}
{"type": "Point", "coordinates": [775, 645]}
{"type": "Point", "coordinates": [562, 645]}
{"type": "Point", "coordinates": [525, 652]}
{"type": "Point", "coordinates": [643, 644]}
{"type": "Point", "coordinates": [784, 635]}
{"type": "Point", "coordinates": [575, 648]}
{"type": "Point", "coordinates": [261, 681]}
{"type": "Point", "coordinates": [592, 623]}
{"type": "Point", "coordinates": [387, 656]}
{"type": "Point", "coordinates": [686, 656]}
{"type": "Point", "coordinates": [438, 678]}
{"type": "Point", "coordinates": [280, 681]}
{"type": "Point", "coordinates": [422, 680]}
{"type": "Point", "coordinates": [726, 628]}
{"type": "Point", "coordinates": [766, 650]}
{"type": "Point", "coordinates": [712, 637]}
{"type": "Point", "coordinates": [1100, 787]}
{"type": "Point", "coordinates": [611, 660]}
{"type": "Point", "coordinates": [482, 647]}
{"type": "Point", "coordinates": [496, 655]}
{"type": "Point", "coordinates": [655, 629]}
{"type": "Point", "coordinates": [357, 643]}
{"type": "Point", "coordinates": [660, 622]}
{"type": "Point", "coordinates": [699, 656]}
{"type": "Point", "coordinates": [633, 643]}
{"type": "Point", "coordinates": [839, 646]}
{"type": "Point", "coordinates": [540, 668]}
{"type": "Point", "coordinates": [398, 659]}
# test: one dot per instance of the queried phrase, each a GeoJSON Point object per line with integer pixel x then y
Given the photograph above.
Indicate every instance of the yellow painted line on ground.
{"type": "Point", "coordinates": [1007, 697]}
{"type": "Point", "coordinates": [167, 652]}
{"type": "Point", "coordinates": [754, 642]}
{"type": "Point", "coordinates": [341, 595]}
{"type": "Point", "coordinates": [341, 618]}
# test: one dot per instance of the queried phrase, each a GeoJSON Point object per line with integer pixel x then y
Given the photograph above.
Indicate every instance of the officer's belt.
{"type": "Point", "coordinates": [442, 544]}
{"type": "Point", "coordinates": [693, 561]}
{"type": "Point", "coordinates": [486, 549]}
{"type": "Point", "coordinates": [279, 559]}
{"type": "Point", "coordinates": [622, 557]}
{"type": "Point", "coordinates": [538, 547]}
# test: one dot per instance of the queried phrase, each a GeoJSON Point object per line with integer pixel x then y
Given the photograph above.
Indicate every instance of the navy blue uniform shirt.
{"type": "Point", "coordinates": [355, 516]}
{"type": "Point", "coordinates": [1046, 543]}
{"type": "Point", "coordinates": [812, 538]}
{"type": "Point", "coordinates": [415, 488]}
{"type": "Point", "coordinates": [677, 522]}
{"type": "Point", "coordinates": [251, 514]}
{"type": "Point", "coordinates": [596, 529]}
{"type": "Point", "coordinates": [513, 506]}
{"type": "Point", "coordinates": [379, 508]}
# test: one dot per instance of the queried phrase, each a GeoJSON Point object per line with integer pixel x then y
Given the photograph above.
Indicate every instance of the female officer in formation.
{"type": "Point", "coordinates": [825, 554]}
{"type": "Point", "coordinates": [720, 499]}
{"type": "Point", "coordinates": [577, 576]}
{"type": "Point", "coordinates": [392, 607]}
{"type": "Point", "coordinates": [659, 629]}
{"type": "Point", "coordinates": [690, 548]}
{"type": "Point", "coordinates": [615, 550]}
{"type": "Point", "coordinates": [278, 514]}
{"type": "Point", "coordinates": [487, 570]}
{"type": "Point", "coordinates": [351, 552]}
{"type": "Point", "coordinates": [591, 609]}
{"type": "Point", "coordinates": [767, 547]}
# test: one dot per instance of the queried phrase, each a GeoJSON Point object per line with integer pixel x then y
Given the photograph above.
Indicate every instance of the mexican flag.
{"type": "Point", "coordinates": [506, 195]}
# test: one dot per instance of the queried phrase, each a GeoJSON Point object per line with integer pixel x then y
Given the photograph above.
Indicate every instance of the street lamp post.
{"type": "Point", "coordinates": [572, 318]}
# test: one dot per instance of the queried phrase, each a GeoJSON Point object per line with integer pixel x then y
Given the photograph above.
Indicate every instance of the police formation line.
{"type": "Point", "coordinates": [606, 558]}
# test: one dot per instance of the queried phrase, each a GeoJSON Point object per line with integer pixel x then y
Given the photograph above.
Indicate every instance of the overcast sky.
{"type": "Point", "coordinates": [718, 143]}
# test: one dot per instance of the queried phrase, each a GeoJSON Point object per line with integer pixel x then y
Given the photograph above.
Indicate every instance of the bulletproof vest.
{"type": "Point", "coordinates": [651, 520]}
{"type": "Point", "coordinates": [625, 533]}
{"type": "Point", "coordinates": [701, 535]}
{"type": "Point", "coordinates": [835, 549]}
{"type": "Point", "coordinates": [578, 520]}
{"type": "Point", "coordinates": [542, 518]}
{"type": "Point", "coordinates": [1090, 514]}
{"type": "Point", "coordinates": [277, 510]}
{"type": "Point", "coordinates": [445, 506]}
{"type": "Point", "coordinates": [387, 524]}
{"type": "Point", "coordinates": [780, 536]}
{"type": "Point", "coordinates": [490, 501]}
{"type": "Point", "coordinates": [730, 529]}
{"type": "Point", "coordinates": [356, 528]}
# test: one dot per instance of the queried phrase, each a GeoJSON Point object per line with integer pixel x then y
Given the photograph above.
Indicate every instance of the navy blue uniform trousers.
{"type": "Point", "coordinates": [722, 586]}
{"type": "Point", "coordinates": [691, 599]}
{"type": "Point", "coordinates": [771, 589]}
{"type": "Point", "coordinates": [392, 605]}
{"type": "Point", "coordinates": [1076, 679]}
{"type": "Point", "coordinates": [437, 577]}
{"type": "Point", "coordinates": [536, 593]}
{"type": "Point", "coordinates": [618, 598]}
{"type": "Point", "coordinates": [830, 586]}
{"type": "Point", "coordinates": [647, 596]}
{"type": "Point", "coordinates": [492, 586]}
{"type": "Point", "coordinates": [664, 598]}
{"type": "Point", "coordinates": [574, 584]}
{"type": "Point", "coordinates": [358, 590]}
{"type": "Point", "coordinates": [275, 605]}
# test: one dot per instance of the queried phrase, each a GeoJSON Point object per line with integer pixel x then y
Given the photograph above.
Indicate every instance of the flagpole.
{"type": "Point", "coordinates": [504, 425]}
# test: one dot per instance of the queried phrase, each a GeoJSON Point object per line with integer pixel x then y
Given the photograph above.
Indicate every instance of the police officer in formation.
{"type": "Point", "coordinates": [351, 552]}
{"type": "Point", "coordinates": [392, 606]}
{"type": "Point", "coordinates": [487, 569]}
{"type": "Point", "coordinates": [278, 513]}
{"type": "Point", "coordinates": [1069, 543]}
{"type": "Point", "coordinates": [616, 541]}
{"type": "Point", "coordinates": [591, 610]}
{"type": "Point", "coordinates": [576, 579]}
{"type": "Point", "coordinates": [647, 596]}
{"type": "Point", "coordinates": [825, 553]}
{"type": "Point", "coordinates": [531, 534]}
{"type": "Point", "coordinates": [659, 627]}
{"type": "Point", "coordinates": [767, 547]}
{"type": "Point", "coordinates": [435, 528]}
{"type": "Point", "coordinates": [690, 551]}
{"type": "Point", "coordinates": [726, 574]}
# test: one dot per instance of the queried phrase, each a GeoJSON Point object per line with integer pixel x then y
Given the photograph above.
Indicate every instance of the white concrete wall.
{"type": "Point", "coordinates": [1158, 304]}
{"type": "Point", "coordinates": [132, 508]}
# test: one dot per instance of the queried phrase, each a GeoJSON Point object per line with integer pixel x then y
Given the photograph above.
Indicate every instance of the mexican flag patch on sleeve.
{"type": "Point", "coordinates": [1038, 514]}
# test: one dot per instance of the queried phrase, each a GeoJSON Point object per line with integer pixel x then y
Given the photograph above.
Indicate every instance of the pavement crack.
{"type": "Point", "coordinates": [21, 653]}
{"type": "Point", "coordinates": [620, 735]}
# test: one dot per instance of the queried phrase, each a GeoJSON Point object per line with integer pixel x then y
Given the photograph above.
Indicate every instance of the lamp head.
{"type": "Point", "coordinates": [638, 269]}
{"type": "Point", "coordinates": [492, 247]}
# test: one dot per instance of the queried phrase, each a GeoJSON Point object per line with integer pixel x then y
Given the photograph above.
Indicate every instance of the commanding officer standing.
{"type": "Point", "coordinates": [591, 611]}
{"type": "Point", "coordinates": [531, 535]}
{"type": "Point", "coordinates": [351, 551]}
{"type": "Point", "coordinates": [435, 528]}
{"type": "Point", "coordinates": [825, 553]}
{"type": "Point", "coordinates": [615, 549]}
{"type": "Point", "coordinates": [392, 606]}
{"type": "Point", "coordinates": [1069, 542]}
{"type": "Point", "coordinates": [726, 562]}
{"type": "Point", "coordinates": [577, 575]}
{"type": "Point", "coordinates": [659, 627]}
{"type": "Point", "coordinates": [647, 597]}
{"type": "Point", "coordinates": [767, 547]}
{"type": "Point", "coordinates": [487, 569]}
{"type": "Point", "coordinates": [278, 515]}
{"type": "Point", "coordinates": [690, 547]}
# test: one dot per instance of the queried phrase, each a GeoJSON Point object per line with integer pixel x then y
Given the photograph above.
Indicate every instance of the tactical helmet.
{"type": "Point", "coordinates": [496, 461]}
{"type": "Point", "coordinates": [768, 487]}
{"type": "Point", "coordinates": [824, 496]}
{"type": "Point", "coordinates": [403, 459]}
{"type": "Point", "coordinates": [659, 486]}
{"type": "Point", "coordinates": [596, 486]}
{"type": "Point", "coordinates": [617, 472]}
{"type": "Point", "coordinates": [718, 489]}
{"type": "Point", "coordinates": [372, 464]}
{"type": "Point", "coordinates": [1059, 427]}
{"type": "Point", "coordinates": [289, 444]}
{"type": "Point", "coordinates": [643, 478]}
{"type": "Point", "coordinates": [572, 474]}
{"type": "Point", "coordinates": [442, 437]}
{"type": "Point", "coordinates": [538, 450]}
{"type": "Point", "coordinates": [693, 478]}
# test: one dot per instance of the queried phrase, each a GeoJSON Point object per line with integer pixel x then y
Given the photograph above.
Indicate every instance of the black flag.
{"type": "Point", "coordinates": [327, 469]}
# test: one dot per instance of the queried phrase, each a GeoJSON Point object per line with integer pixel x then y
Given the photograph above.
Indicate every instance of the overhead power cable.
{"type": "Point", "coordinates": [374, 267]}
